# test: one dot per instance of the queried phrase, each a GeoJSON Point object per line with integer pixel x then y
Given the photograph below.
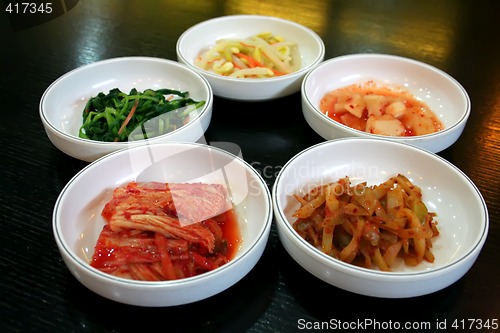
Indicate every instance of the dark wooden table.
{"type": "Point", "coordinates": [38, 294]}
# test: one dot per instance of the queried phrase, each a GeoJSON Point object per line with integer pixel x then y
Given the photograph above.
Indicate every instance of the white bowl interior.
{"type": "Point", "coordinates": [77, 214]}
{"type": "Point", "coordinates": [64, 100]}
{"type": "Point", "coordinates": [204, 35]}
{"type": "Point", "coordinates": [442, 93]}
{"type": "Point", "coordinates": [462, 213]}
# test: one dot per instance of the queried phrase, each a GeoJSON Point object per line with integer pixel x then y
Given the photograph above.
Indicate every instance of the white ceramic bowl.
{"type": "Point", "coordinates": [77, 221]}
{"type": "Point", "coordinates": [462, 213]}
{"type": "Point", "coordinates": [63, 101]}
{"type": "Point", "coordinates": [203, 35]}
{"type": "Point", "coordinates": [442, 93]}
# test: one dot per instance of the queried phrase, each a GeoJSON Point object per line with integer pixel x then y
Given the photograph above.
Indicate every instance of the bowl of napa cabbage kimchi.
{"type": "Point", "coordinates": [163, 224]}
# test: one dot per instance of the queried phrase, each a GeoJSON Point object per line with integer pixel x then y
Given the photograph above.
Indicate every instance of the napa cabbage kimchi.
{"type": "Point", "coordinates": [166, 231]}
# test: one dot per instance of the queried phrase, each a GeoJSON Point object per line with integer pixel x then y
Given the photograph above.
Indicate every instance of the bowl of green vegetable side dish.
{"type": "Point", "coordinates": [118, 103]}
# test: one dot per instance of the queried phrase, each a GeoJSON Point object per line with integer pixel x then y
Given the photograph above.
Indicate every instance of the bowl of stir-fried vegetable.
{"type": "Point", "coordinates": [118, 103]}
{"type": "Point", "coordinates": [379, 218]}
{"type": "Point", "coordinates": [251, 57]}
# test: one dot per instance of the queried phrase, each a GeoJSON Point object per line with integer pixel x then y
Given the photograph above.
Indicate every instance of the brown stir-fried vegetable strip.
{"type": "Point", "coordinates": [369, 226]}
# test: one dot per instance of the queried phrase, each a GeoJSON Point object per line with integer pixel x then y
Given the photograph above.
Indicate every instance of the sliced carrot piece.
{"type": "Point", "coordinates": [127, 120]}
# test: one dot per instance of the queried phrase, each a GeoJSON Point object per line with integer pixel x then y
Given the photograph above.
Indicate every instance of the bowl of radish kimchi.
{"type": "Point", "coordinates": [163, 224]}
{"type": "Point", "coordinates": [251, 57]}
{"type": "Point", "coordinates": [379, 218]}
{"type": "Point", "coordinates": [380, 95]}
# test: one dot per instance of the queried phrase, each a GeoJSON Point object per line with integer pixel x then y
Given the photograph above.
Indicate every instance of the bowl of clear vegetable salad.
{"type": "Point", "coordinates": [118, 103]}
{"type": "Point", "coordinates": [251, 57]}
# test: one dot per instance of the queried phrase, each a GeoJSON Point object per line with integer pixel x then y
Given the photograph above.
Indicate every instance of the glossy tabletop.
{"type": "Point", "coordinates": [38, 293]}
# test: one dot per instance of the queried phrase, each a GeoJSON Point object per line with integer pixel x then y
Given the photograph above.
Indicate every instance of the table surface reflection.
{"type": "Point", "coordinates": [38, 292]}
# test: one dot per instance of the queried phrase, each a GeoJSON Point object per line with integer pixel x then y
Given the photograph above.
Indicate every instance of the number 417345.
{"type": "Point", "coordinates": [28, 8]}
{"type": "Point", "coordinates": [475, 324]}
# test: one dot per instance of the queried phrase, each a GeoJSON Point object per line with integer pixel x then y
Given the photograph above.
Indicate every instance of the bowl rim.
{"type": "Point", "coordinates": [65, 249]}
{"type": "Point", "coordinates": [367, 272]}
{"type": "Point", "coordinates": [76, 139]}
{"type": "Point", "coordinates": [302, 71]}
{"type": "Point", "coordinates": [456, 125]}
